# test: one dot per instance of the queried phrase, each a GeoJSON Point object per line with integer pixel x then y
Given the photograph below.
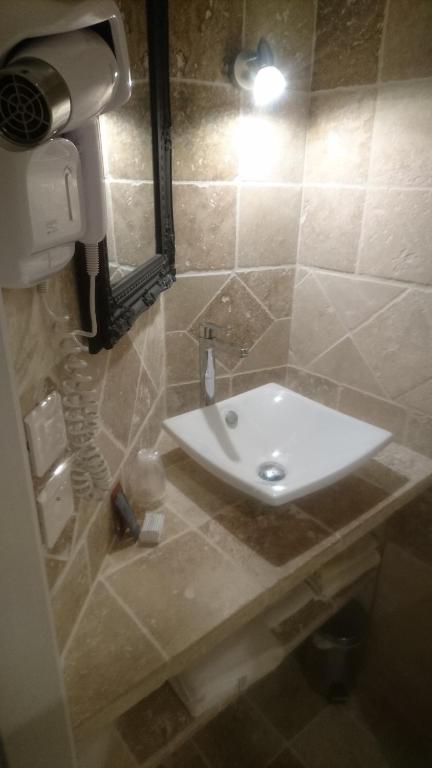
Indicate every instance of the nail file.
{"type": "Point", "coordinates": [152, 527]}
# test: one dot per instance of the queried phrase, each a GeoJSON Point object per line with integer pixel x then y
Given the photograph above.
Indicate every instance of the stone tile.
{"type": "Point", "coordinates": [106, 748]}
{"type": "Point", "coordinates": [397, 233]}
{"type": "Point", "coordinates": [126, 137]}
{"type": "Point", "coordinates": [271, 350]}
{"type": "Point", "coordinates": [107, 656]}
{"type": "Point", "coordinates": [348, 39]}
{"type": "Point", "coordinates": [411, 527]}
{"type": "Point", "coordinates": [183, 609]}
{"type": "Point", "coordinates": [330, 228]}
{"type": "Point", "coordinates": [239, 314]}
{"type": "Point", "coordinates": [407, 49]}
{"type": "Point", "coordinates": [133, 222]}
{"type": "Point", "coordinates": [289, 28]}
{"type": "Point", "coordinates": [270, 142]}
{"type": "Point", "coordinates": [242, 382]}
{"type": "Point", "coordinates": [401, 150]}
{"type": "Point", "coordinates": [339, 136]}
{"type": "Point", "coordinates": [419, 434]}
{"type": "Point", "coordinates": [147, 334]}
{"type": "Point", "coordinates": [241, 554]}
{"type": "Point", "coordinates": [100, 536]}
{"type": "Point", "coordinates": [313, 386]}
{"type": "Point", "coordinates": [404, 325]}
{"type": "Point", "coordinates": [53, 569]}
{"type": "Point", "coordinates": [343, 502]}
{"type": "Point", "coordinates": [188, 297]}
{"type": "Point", "coordinates": [239, 737]}
{"type": "Point", "coordinates": [134, 15]}
{"type": "Point", "coordinates": [200, 487]}
{"type": "Point", "coordinates": [120, 387]}
{"type": "Point", "coordinates": [275, 695]}
{"type": "Point", "coordinates": [185, 397]}
{"type": "Point", "coordinates": [146, 396]}
{"type": "Point", "coordinates": [355, 299]}
{"type": "Point", "coordinates": [153, 722]}
{"type": "Point", "coordinates": [399, 658]}
{"type": "Point", "coordinates": [205, 219]}
{"type": "Point", "coordinates": [112, 453]}
{"type": "Point", "coordinates": [382, 413]}
{"type": "Point", "coordinates": [274, 288]}
{"type": "Point", "coordinates": [378, 474]}
{"type": "Point", "coordinates": [419, 398]}
{"type": "Point", "coordinates": [182, 358]}
{"type": "Point", "coordinates": [124, 550]}
{"type": "Point", "coordinates": [204, 37]}
{"type": "Point", "coordinates": [286, 760]}
{"type": "Point", "coordinates": [315, 325]}
{"type": "Point", "coordinates": [344, 363]}
{"type": "Point", "coordinates": [267, 238]}
{"type": "Point", "coordinates": [278, 535]}
{"type": "Point", "coordinates": [204, 122]}
{"type": "Point", "coordinates": [33, 357]}
{"type": "Point", "coordinates": [335, 738]}
{"type": "Point", "coordinates": [69, 596]}
{"type": "Point", "coordinates": [119, 756]}
{"type": "Point", "coordinates": [150, 430]}
{"type": "Point", "coordinates": [185, 757]}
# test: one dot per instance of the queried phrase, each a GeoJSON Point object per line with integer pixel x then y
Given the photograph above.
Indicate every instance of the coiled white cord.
{"type": "Point", "coordinates": [90, 473]}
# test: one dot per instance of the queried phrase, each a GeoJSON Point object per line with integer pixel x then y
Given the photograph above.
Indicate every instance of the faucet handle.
{"type": "Point", "coordinates": [208, 330]}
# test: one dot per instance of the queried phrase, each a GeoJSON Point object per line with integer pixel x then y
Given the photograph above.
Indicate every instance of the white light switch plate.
{"type": "Point", "coordinates": [46, 433]}
{"type": "Point", "coordinates": [55, 504]}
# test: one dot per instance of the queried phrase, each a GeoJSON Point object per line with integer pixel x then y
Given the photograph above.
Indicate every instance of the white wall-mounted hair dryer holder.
{"type": "Point", "coordinates": [62, 64]}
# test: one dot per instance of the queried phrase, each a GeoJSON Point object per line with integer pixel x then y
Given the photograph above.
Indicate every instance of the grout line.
{"type": "Point", "coordinates": [199, 750]}
{"type": "Point", "coordinates": [145, 551]}
{"type": "Point", "coordinates": [146, 632]}
{"type": "Point", "coordinates": [383, 42]}
{"type": "Point", "coordinates": [74, 629]}
{"type": "Point", "coordinates": [376, 85]}
{"type": "Point", "coordinates": [237, 182]}
{"type": "Point", "coordinates": [195, 81]}
{"type": "Point", "coordinates": [349, 335]}
{"type": "Point", "coordinates": [237, 229]}
{"type": "Point", "coordinates": [402, 284]}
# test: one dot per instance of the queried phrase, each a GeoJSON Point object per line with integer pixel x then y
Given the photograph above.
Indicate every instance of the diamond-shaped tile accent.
{"type": "Point", "coordinates": [240, 315]}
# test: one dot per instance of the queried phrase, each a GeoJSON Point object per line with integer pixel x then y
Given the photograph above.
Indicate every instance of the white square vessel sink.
{"type": "Point", "coordinates": [298, 445]}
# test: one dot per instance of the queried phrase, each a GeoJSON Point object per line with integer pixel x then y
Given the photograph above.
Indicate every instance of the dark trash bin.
{"type": "Point", "coordinates": [332, 656]}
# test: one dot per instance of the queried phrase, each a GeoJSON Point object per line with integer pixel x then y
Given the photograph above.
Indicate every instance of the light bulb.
{"type": "Point", "coordinates": [268, 86]}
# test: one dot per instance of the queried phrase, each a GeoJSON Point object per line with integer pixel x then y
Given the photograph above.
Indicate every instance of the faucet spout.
{"type": "Point", "coordinates": [209, 342]}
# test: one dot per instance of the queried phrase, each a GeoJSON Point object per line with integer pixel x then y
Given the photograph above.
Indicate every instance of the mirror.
{"type": "Point", "coordinates": [137, 257]}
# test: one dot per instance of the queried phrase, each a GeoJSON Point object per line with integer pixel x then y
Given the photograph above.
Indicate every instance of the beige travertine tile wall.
{"type": "Point", "coordinates": [348, 214]}
{"type": "Point", "coordinates": [237, 190]}
{"type": "Point", "coordinates": [130, 378]}
{"type": "Point", "coordinates": [361, 329]}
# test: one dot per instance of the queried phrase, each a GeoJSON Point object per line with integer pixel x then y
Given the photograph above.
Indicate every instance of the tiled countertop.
{"type": "Point", "coordinates": [223, 560]}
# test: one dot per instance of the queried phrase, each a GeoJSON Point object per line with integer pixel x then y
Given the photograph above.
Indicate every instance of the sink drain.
{"type": "Point", "coordinates": [271, 471]}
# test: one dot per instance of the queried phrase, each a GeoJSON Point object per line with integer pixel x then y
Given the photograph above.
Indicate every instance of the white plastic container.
{"type": "Point", "coordinates": [146, 482]}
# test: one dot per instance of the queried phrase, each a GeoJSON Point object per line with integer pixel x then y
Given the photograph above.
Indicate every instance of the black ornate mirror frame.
{"type": "Point", "coordinates": [118, 306]}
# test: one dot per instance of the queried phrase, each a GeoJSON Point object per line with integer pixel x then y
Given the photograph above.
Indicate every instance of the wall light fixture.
{"type": "Point", "coordinates": [255, 71]}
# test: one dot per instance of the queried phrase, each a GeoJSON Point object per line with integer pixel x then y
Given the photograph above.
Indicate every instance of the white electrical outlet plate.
{"type": "Point", "coordinates": [55, 504]}
{"type": "Point", "coordinates": [46, 433]}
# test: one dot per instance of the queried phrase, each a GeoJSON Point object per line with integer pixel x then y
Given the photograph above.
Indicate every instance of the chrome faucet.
{"type": "Point", "coordinates": [209, 341]}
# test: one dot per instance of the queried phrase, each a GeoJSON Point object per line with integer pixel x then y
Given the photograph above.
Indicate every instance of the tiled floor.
{"type": "Point", "coordinates": [279, 723]}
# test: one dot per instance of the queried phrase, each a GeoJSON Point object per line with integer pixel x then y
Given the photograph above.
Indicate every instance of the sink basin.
{"type": "Point", "coordinates": [274, 444]}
